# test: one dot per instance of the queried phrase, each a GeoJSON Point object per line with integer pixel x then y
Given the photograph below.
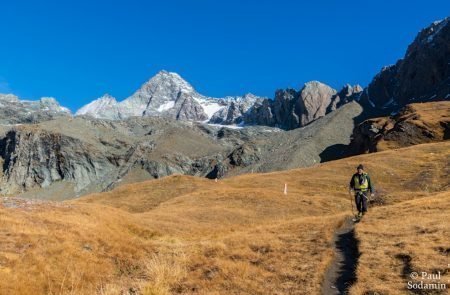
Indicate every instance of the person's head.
{"type": "Point", "coordinates": [360, 168]}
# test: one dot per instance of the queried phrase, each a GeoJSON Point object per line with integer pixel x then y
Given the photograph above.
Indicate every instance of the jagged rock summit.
{"type": "Point", "coordinates": [422, 75]}
{"type": "Point", "coordinates": [105, 107]}
{"type": "Point", "coordinates": [292, 109]}
{"type": "Point", "coordinates": [16, 111]}
{"type": "Point", "coordinates": [168, 95]}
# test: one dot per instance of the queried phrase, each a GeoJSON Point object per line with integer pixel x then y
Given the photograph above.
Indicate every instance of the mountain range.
{"type": "Point", "coordinates": [169, 95]}
{"type": "Point", "coordinates": [422, 75]}
{"type": "Point", "coordinates": [166, 127]}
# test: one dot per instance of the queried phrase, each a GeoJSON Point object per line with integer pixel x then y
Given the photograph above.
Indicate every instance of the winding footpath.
{"type": "Point", "coordinates": [340, 275]}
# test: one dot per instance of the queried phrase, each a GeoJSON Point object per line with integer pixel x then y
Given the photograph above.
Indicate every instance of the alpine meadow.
{"type": "Point", "coordinates": [180, 187]}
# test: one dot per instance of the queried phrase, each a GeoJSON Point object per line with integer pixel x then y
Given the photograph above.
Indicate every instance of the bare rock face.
{"type": "Point", "coordinates": [167, 95]}
{"type": "Point", "coordinates": [284, 108]}
{"type": "Point", "coordinates": [347, 94]}
{"type": "Point", "coordinates": [39, 158]}
{"type": "Point", "coordinates": [422, 75]}
{"type": "Point", "coordinates": [292, 109]}
{"type": "Point", "coordinates": [262, 113]}
{"type": "Point", "coordinates": [186, 108]}
{"type": "Point", "coordinates": [105, 107]}
{"type": "Point", "coordinates": [230, 114]}
{"type": "Point", "coordinates": [315, 97]}
{"type": "Point", "coordinates": [16, 111]}
{"type": "Point", "coordinates": [244, 155]}
{"type": "Point", "coordinates": [414, 124]}
{"type": "Point", "coordinates": [234, 109]}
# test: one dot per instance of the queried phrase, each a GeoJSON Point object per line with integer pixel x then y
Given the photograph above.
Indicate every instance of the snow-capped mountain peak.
{"type": "Point", "coordinates": [105, 107]}
{"type": "Point", "coordinates": [168, 94]}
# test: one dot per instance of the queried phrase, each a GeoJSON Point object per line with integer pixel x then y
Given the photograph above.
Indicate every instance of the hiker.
{"type": "Point", "coordinates": [361, 184]}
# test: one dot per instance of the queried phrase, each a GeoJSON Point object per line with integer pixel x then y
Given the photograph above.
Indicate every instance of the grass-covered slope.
{"type": "Point", "coordinates": [188, 235]}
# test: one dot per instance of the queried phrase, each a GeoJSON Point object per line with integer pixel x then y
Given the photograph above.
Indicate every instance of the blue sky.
{"type": "Point", "coordinates": [78, 50]}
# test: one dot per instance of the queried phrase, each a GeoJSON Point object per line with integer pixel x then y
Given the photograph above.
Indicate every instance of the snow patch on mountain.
{"type": "Point", "coordinates": [166, 106]}
{"type": "Point", "coordinates": [210, 107]}
{"type": "Point", "coordinates": [436, 28]}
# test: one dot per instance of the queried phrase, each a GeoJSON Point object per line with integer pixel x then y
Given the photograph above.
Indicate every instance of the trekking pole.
{"type": "Point", "coordinates": [368, 200]}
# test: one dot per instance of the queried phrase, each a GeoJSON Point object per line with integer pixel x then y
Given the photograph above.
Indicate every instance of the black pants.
{"type": "Point", "coordinates": [361, 201]}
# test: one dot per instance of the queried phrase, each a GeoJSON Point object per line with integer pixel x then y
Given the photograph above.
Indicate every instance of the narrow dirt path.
{"type": "Point", "coordinates": [340, 275]}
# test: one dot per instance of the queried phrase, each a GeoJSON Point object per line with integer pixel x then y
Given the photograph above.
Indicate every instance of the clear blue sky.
{"type": "Point", "coordinates": [78, 50]}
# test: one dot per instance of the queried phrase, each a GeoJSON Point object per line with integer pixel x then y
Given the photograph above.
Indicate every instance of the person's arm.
{"type": "Point", "coordinates": [352, 183]}
{"type": "Point", "coordinates": [371, 188]}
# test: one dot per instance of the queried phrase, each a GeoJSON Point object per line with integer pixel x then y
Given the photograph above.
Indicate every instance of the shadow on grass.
{"type": "Point", "coordinates": [347, 245]}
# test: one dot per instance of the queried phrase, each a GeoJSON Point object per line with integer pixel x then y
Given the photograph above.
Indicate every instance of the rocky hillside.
{"type": "Point", "coordinates": [64, 158]}
{"type": "Point", "coordinates": [415, 124]}
{"type": "Point", "coordinates": [422, 75]}
{"type": "Point", "coordinates": [16, 111]}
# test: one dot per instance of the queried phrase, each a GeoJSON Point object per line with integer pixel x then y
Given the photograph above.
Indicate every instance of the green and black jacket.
{"type": "Point", "coordinates": [361, 182]}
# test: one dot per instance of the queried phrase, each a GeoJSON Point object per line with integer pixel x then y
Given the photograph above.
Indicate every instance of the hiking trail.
{"type": "Point", "coordinates": [340, 275]}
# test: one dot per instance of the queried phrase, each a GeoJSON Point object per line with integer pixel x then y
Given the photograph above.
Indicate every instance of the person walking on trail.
{"type": "Point", "coordinates": [361, 185]}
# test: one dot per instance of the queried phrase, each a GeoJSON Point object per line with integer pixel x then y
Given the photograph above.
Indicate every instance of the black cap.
{"type": "Point", "coordinates": [360, 166]}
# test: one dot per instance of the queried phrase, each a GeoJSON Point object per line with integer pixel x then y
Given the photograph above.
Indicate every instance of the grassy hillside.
{"type": "Point", "coordinates": [395, 241]}
{"type": "Point", "coordinates": [188, 235]}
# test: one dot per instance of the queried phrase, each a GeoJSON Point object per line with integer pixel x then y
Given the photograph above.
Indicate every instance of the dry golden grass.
{"type": "Point", "coordinates": [149, 194]}
{"type": "Point", "coordinates": [188, 235]}
{"type": "Point", "coordinates": [73, 250]}
{"type": "Point", "coordinates": [395, 241]}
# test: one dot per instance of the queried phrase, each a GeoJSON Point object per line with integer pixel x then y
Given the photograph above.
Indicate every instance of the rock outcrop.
{"type": "Point", "coordinates": [34, 157]}
{"type": "Point", "coordinates": [234, 109]}
{"type": "Point", "coordinates": [16, 111]}
{"type": "Point", "coordinates": [292, 109]}
{"type": "Point", "coordinates": [414, 124]}
{"type": "Point", "coordinates": [314, 99]}
{"type": "Point", "coordinates": [105, 107]}
{"type": "Point", "coordinates": [422, 75]}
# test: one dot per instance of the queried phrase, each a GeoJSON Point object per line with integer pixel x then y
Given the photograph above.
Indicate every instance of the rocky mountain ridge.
{"type": "Point", "coordinates": [169, 95]}
{"type": "Point", "coordinates": [16, 111]}
{"type": "Point", "coordinates": [422, 75]}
